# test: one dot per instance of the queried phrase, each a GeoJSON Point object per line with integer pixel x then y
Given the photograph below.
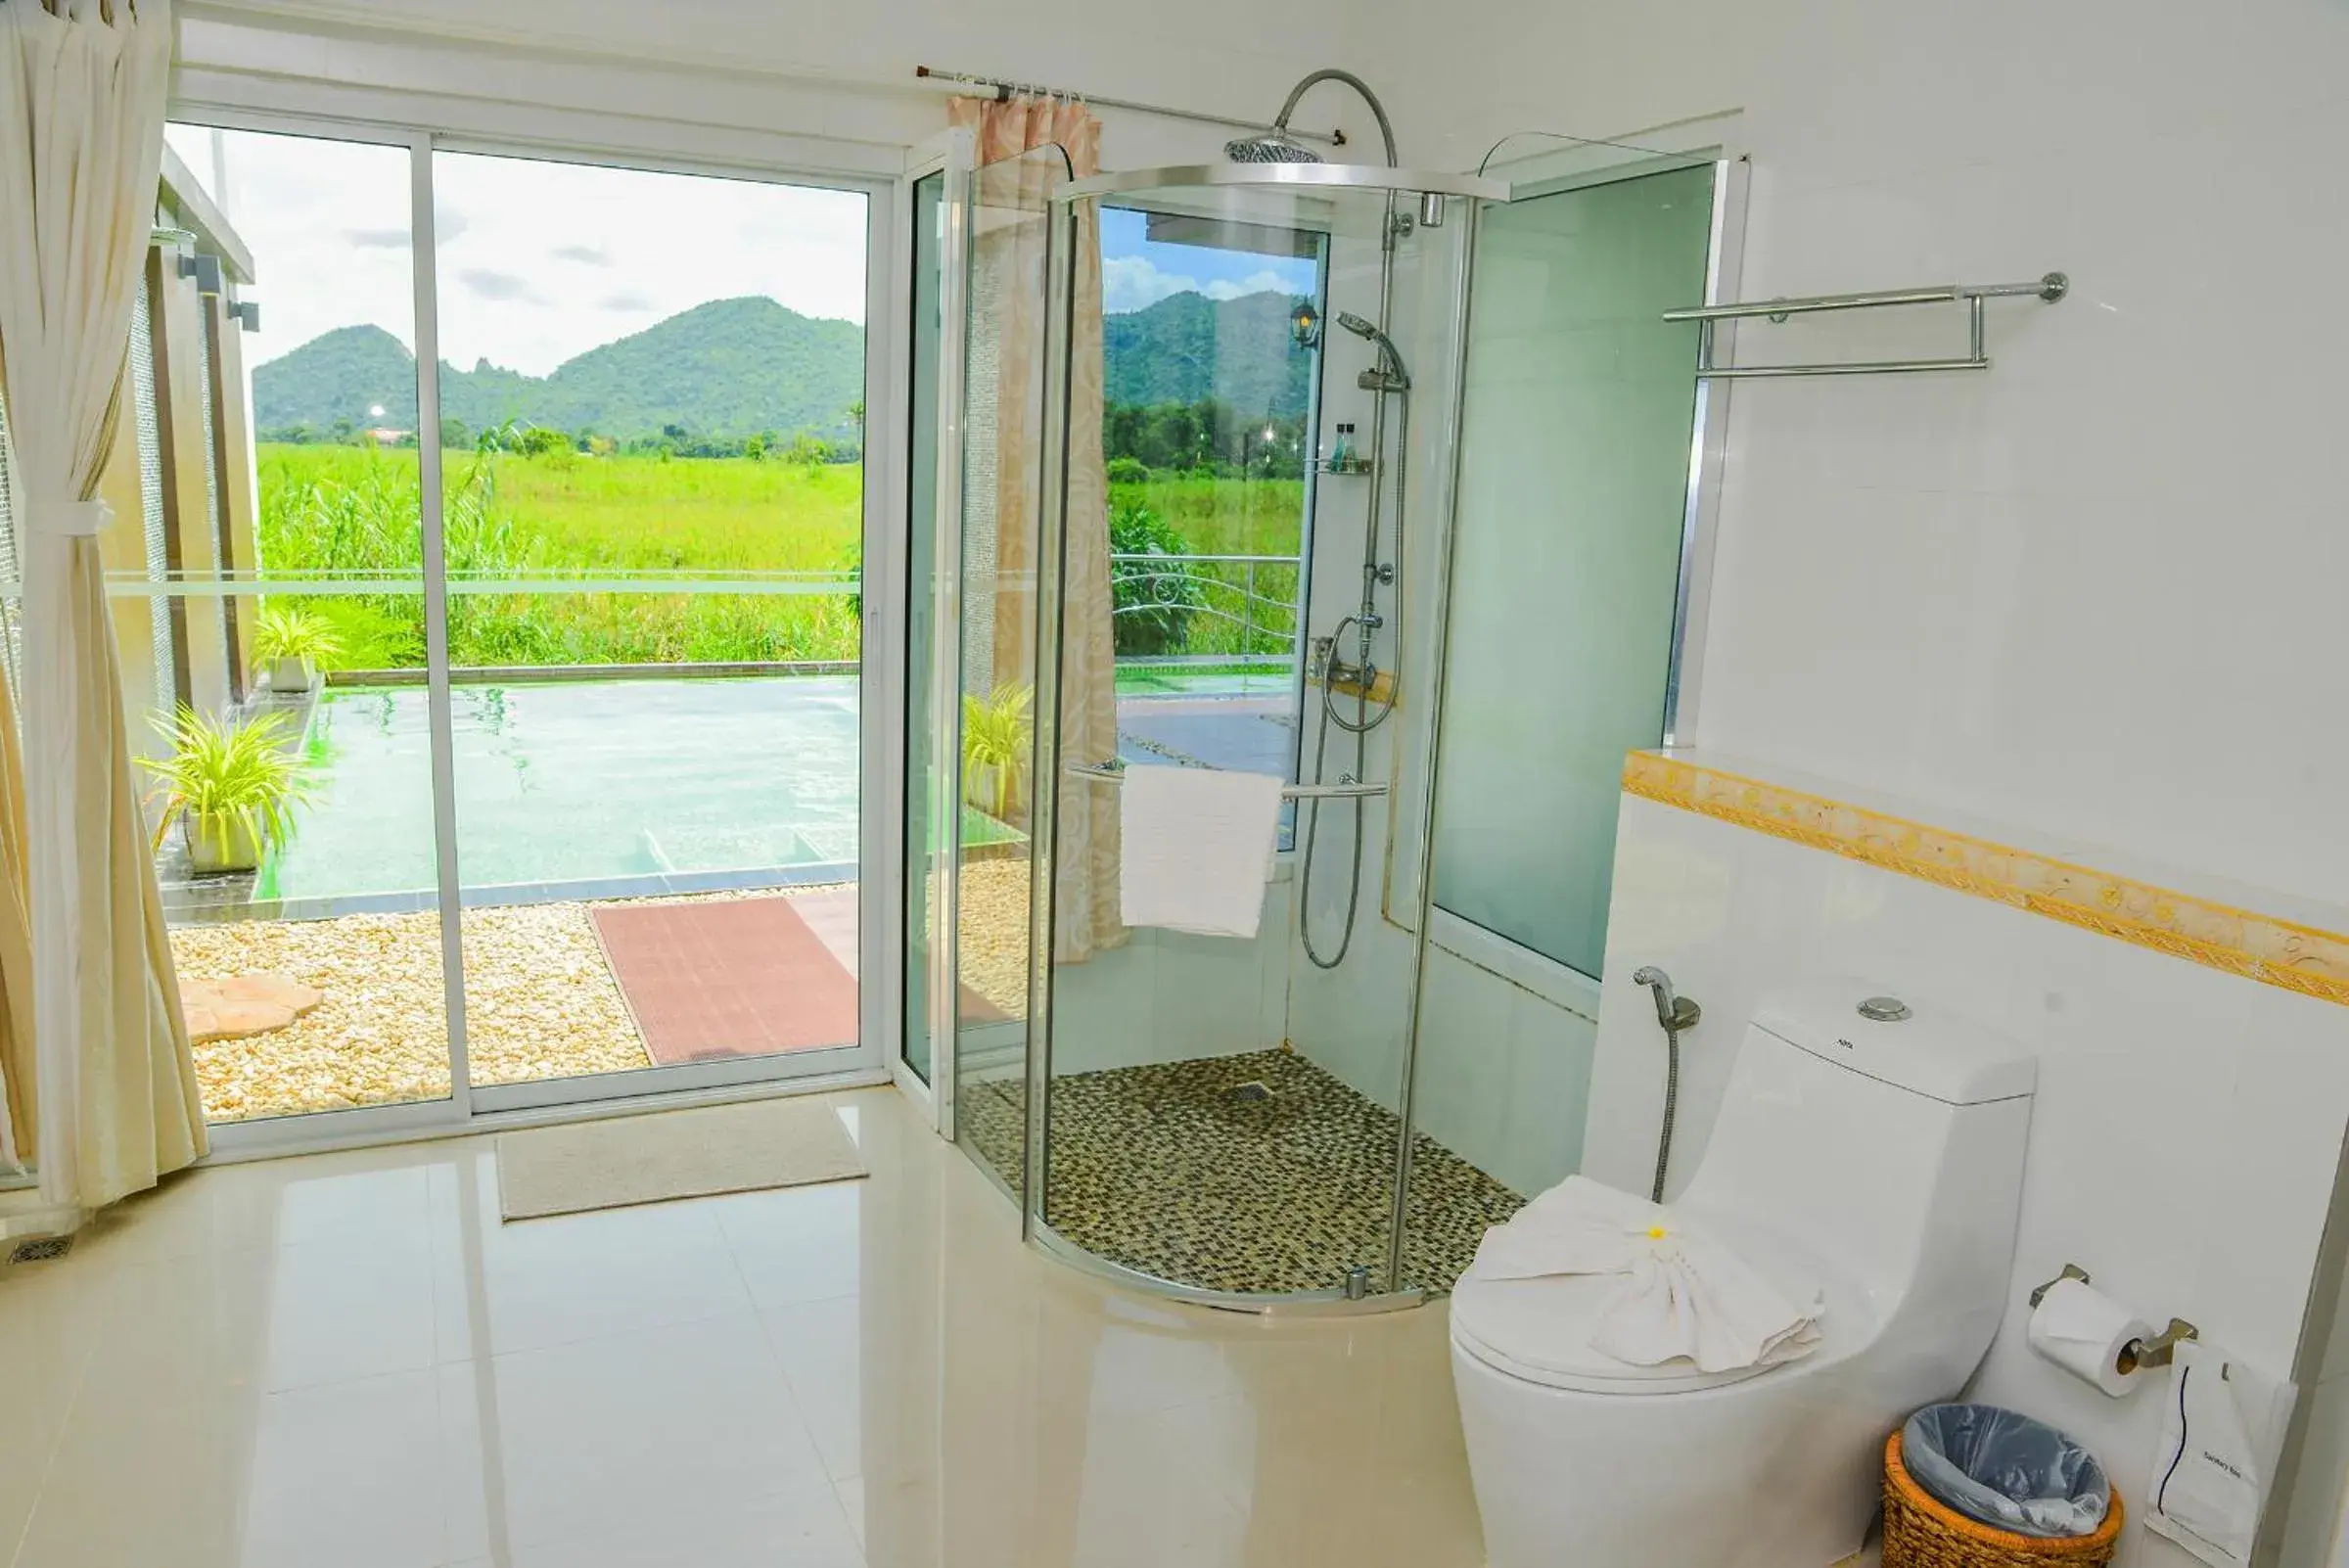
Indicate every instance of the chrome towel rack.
{"type": "Point", "coordinates": [1347, 790]}
{"type": "Point", "coordinates": [1973, 296]}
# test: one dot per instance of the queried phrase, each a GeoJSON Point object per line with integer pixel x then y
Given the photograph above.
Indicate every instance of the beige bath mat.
{"type": "Point", "coordinates": [675, 1154]}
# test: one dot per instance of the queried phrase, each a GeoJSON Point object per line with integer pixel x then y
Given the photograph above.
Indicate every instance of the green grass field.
{"type": "Point", "coordinates": [347, 509]}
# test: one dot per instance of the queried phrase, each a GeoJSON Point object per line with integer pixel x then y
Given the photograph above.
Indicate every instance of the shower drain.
{"type": "Point", "coordinates": [1255, 1090]}
{"type": "Point", "coordinates": [40, 1250]}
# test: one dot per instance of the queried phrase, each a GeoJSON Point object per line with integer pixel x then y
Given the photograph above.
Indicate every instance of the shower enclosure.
{"type": "Point", "coordinates": [1217, 429]}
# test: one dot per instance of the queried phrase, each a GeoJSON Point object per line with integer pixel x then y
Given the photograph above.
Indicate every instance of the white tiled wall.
{"type": "Point", "coordinates": [1505, 1063]}
{"type": "Point", "coordinates": [2093, 590]}
{"type": "Point", "coordinates": [2185, 1134]}
{"type": "Point", "coordinates": [1170, 996]}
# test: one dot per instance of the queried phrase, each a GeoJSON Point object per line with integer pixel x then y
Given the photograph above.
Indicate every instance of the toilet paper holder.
{"type": "Point", "coordinates": [2155, 1351]}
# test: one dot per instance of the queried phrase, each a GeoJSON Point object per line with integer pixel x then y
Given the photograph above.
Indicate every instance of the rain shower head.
{"type": "Point", "coordinates": [1275, 145]}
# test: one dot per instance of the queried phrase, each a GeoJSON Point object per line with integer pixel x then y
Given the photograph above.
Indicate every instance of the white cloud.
{"type": "Point", "coordinates": [1135, 283]}
{"type": "Point", "coordinates": [538, 260]}
{"type": "Point", "coordinates": [1255, 283]}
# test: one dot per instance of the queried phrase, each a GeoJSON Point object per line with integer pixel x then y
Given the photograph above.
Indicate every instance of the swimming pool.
{"type": "Point", "coordinates": [578, 782]}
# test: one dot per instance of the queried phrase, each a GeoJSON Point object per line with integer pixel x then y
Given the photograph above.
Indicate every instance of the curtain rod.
{"type": "Point", "coordinates": [1005, 89]}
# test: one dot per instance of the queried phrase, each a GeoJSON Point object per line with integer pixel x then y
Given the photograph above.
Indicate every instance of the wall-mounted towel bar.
{"type": "Point", "coordinates": [1346, 791]}
{"type": "Point", "coordinates": [1972, 296]}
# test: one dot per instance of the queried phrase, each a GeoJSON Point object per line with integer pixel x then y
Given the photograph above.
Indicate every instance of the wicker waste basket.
{"type": "Point", "coordinates": [1920, 1532]}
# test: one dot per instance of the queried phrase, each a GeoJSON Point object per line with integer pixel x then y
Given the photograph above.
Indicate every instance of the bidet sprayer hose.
{"type": "Point", "coordinates": [1673, 1014]}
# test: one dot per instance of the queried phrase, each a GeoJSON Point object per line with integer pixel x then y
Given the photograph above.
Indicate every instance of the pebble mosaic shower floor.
{"type": "Point", "coordinates": [1189, 1172]}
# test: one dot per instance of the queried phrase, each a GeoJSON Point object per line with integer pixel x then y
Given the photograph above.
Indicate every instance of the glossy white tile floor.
{"type": "Point", "coordinates": [348, 1362]}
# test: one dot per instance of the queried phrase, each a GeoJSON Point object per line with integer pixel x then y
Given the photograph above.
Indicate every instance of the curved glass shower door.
{"type": "Point", "coordinates": [1259, 390]}
{"type": "Point", "coordinates": [988, 626]}
{"type": "Point", "coordinates": [1256, 1085]}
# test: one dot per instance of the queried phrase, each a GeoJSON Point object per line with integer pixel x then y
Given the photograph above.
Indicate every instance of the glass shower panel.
{"type": "Point", "coordinates": [1003, 488]}
{"type": "Point", "coordinates": [1574, 480]}
{"type": "Point", "coordinates": [1190, 1140]}
{"type": "Point", "coordinates": [1577, 426]}
{"type": "Point", "coordinates": [929, 791]}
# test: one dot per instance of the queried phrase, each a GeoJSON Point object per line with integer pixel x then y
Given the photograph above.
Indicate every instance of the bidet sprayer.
{"type": "Point", "coordinates": [1673, 1013]}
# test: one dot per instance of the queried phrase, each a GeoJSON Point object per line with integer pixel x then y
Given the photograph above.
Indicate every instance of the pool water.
{"type": "Point", "coordinates": [578, 782]}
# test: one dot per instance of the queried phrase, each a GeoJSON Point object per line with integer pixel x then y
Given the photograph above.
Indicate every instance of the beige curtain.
{"type": "Point", "coordinates": [1084, 918]}
{"type": "Point", "coordinates": [83, 86]}
{"type": "Point", "coordinates": [19, 1106]}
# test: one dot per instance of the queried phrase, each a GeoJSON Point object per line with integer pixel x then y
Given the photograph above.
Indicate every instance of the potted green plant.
{"type": "Point", "coordinates": [234, 787]}
{"type": "Point", "coordinates": [294, 644]}
{"type": "Point", "coordinates": [997, 735]}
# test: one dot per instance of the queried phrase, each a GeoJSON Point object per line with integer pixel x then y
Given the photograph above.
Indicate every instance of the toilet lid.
{"type": "Point", "coordinates": [1540, 1330]}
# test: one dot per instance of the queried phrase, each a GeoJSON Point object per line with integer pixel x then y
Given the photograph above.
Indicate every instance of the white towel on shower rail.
{"type": "Point", "coordinates": [1685, 1295]}
{"type": "Point", "coordinates": [1197, 849]}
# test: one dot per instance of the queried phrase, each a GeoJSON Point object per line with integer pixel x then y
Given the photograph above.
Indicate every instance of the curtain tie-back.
{"type": "Point", "coordinates": [79, 519]}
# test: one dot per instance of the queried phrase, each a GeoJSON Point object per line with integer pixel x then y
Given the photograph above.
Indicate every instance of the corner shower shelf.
{"type": "Point", "coordinates": [2050, 288]}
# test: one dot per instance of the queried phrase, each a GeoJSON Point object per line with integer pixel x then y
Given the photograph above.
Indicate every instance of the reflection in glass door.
{"type": "Point", "coordinates": [651, 429]}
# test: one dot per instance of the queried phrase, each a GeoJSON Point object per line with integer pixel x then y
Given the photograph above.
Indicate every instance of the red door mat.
{"type": "Point", "coordinates": [731, 977]}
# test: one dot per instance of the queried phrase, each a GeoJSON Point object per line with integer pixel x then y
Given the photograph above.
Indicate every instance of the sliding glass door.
{"type": "Point", "coordinates": [544, 606]}
{"type": "Point", "coordinates": [652, 489]}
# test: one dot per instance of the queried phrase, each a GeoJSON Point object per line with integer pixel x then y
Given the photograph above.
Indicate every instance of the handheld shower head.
{"type": "Point", "coordinates": [1394, 377]}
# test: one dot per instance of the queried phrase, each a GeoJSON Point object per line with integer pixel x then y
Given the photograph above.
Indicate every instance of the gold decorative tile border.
{"type": "Point", "coordinates": [2275, 953]}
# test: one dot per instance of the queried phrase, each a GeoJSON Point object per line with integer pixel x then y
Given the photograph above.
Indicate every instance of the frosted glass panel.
{"type": "Point", "coordinates": [1574, 473]}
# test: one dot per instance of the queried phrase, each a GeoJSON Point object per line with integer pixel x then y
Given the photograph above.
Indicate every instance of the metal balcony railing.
{"type": "Point", "coordinates": [1257, 593]}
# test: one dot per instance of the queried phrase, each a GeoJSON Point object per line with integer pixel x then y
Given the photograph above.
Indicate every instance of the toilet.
{"type": "Point", "coordinates": [1874, 1164]}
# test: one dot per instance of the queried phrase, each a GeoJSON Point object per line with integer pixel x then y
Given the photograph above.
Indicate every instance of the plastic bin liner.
{"type": "Point", "coordinates": [2005, 1470]}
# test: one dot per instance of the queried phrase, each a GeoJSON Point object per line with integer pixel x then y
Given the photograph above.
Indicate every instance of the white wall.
{"type": "Point", "coordinates": [838, 73]}
{"type": "Point", "coordinates": [2094, 590]}
{"type": "Point", "coordinates": [2186, 1125]}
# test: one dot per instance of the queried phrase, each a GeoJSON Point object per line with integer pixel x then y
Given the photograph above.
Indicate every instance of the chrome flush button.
{"type": "Point", "coordinates": [1884, 1009]}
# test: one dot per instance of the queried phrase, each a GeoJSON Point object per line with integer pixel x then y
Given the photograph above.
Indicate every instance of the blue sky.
{"type": "Point", "coordinates": [1136, 273]}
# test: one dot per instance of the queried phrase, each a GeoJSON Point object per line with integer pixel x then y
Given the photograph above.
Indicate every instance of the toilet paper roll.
{"type": "Point", "coordinates": [2086, 1332]}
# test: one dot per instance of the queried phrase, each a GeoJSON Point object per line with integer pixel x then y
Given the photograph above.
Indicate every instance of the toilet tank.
{"type": "Point", "coordinates": [1891, 1151]}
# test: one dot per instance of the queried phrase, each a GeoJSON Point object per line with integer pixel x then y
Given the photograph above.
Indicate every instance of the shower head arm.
{"type": "Point", "coordinates": [1379, 111]}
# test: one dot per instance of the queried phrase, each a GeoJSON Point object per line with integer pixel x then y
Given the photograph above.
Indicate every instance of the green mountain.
{"type": "Point", "coordinates": [1186, 347]}
{"type": "Point", "coordinates": [341, 375]}
{"type": "Point", "coordinates": [731, 367]}
{"type": "Point", "coordinates": [739, 367]}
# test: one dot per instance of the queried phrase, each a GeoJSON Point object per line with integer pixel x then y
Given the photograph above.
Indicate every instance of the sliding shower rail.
{"type": "Point", "coordinates": [1104, 774]}
{"type": "Point", "coordinates": [1973, 296]}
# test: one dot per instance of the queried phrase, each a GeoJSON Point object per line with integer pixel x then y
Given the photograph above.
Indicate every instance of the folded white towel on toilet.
{"type": "Point", "coordinates": [1685, 1296]}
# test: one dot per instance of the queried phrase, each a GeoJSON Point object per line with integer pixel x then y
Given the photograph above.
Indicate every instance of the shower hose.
{"type": "Point", "coordinates": [1362, 723]}
{"type": "Point", "coordinates": [1671, 1095]}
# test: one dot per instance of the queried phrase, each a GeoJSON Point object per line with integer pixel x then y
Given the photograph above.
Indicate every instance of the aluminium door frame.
{"type": "Point", "coordinates": [468, 1106]}
{"type": "Point", "coordinates": [951, 154]}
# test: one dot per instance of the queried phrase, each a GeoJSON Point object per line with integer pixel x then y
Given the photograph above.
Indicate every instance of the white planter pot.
{"type": "Point", "coordinates": [292, 674]}
{"type": "Point", "coordinates": [223, 843]}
